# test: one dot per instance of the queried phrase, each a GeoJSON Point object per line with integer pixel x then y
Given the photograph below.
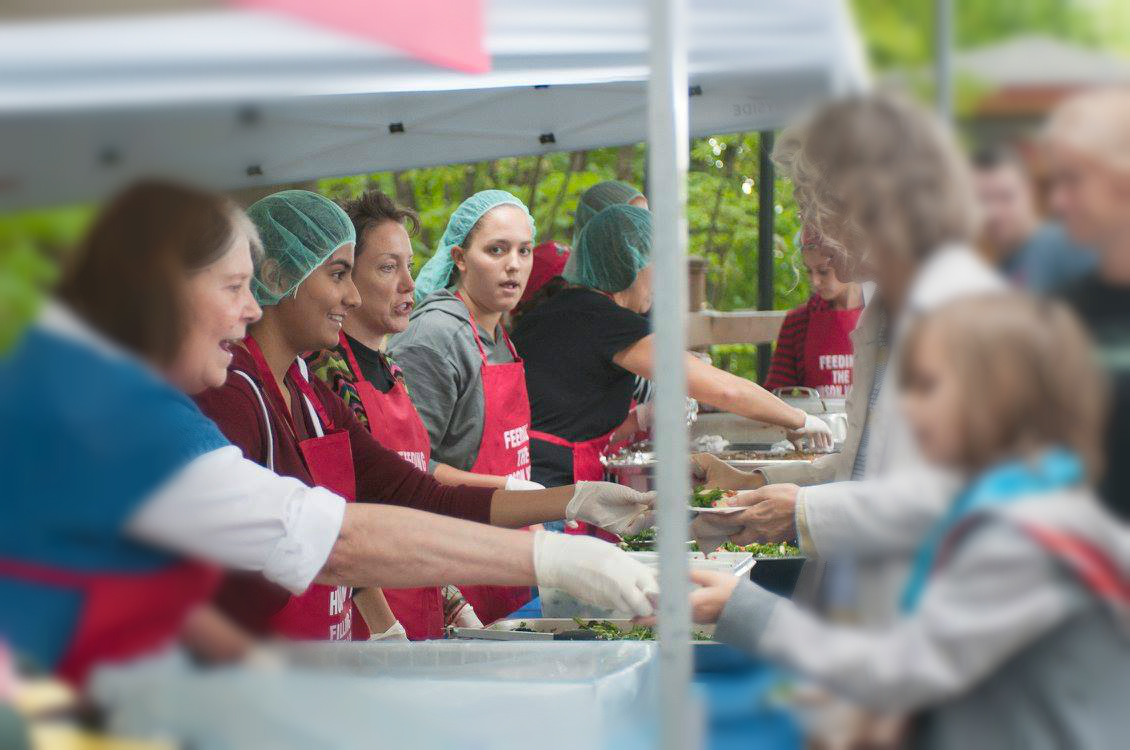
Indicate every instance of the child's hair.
{"type": "Point", "coordinates": [1029, 376]}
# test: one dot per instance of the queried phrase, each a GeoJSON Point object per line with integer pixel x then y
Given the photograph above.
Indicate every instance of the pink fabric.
{"type": "Point", "coordinates": [549, 261]}
{"type": "Point", "coordinates": [436, 31]}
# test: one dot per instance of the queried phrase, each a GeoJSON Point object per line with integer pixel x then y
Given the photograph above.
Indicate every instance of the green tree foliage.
{"type": "Point", "coordinates": [722, 191]}
{"type": "Point", "coordinates": [722, 210]}
{"type": "Point", "coordinates": [32, 248]}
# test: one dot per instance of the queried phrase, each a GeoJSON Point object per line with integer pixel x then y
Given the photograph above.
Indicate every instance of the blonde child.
{"type": "Point", "coordinates": [1016, 615]}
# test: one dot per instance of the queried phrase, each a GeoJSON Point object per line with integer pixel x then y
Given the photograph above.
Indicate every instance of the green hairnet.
{"type": "Point", "coordinates": [612, 249]}
{"type": "Point", "coordinates": [437, 271]}
{"type": "Point", "coordinates": [597, 198]}
{"type": "Point", "coordinates": [299, 230]}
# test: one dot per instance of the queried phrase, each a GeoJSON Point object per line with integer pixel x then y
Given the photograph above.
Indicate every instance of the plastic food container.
{"type": "Point", "coordinates": [428, 695]}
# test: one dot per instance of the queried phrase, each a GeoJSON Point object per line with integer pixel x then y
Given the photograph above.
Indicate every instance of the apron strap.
{"type": "Point", "coordinates": [298, 373]}
{"type": "Point", "coordinates": [350, 359]}
{"type": "Point", "coordinates": [266, 418]}
{"type": "Point", "coordinates": [546, 437]}
{"type": "Point", "coordinates": [475, 334]}
{"type": "Point", "coordinates": [355, 366]}
{"type": "Point", "coordinates": [314, 406]}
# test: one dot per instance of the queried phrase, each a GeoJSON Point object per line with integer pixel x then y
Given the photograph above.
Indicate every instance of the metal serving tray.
{"type": "Point", "coordinates": [548, 629]}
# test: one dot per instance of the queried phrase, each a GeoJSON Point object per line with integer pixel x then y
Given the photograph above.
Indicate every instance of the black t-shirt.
{"type": "Point", "coordinates": [576, 391]}
{"type": "Point", "coordinates": [1105, 310]}
{"type": "Point", "coordinates": [374, 368]}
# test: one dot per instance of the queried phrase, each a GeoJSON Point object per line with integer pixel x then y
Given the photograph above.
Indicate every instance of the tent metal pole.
{"type": "Point", "coordinates": [766, 215]}
{"type": "Point", "coordinates": [943, 58]}
{"type": "Point", "coordinates": [668, 158]}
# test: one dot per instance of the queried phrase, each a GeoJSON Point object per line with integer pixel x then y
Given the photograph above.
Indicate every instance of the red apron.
{"type": "Point", "coordinates": [124, 615]}
{"type": "Point", "coordinates": [586, 468]}
{"type": "Point", "coordinates": [504, 450]}
{"type": "Point", "coordinates": [323, 612]}
{"type": "Point", "coordinates": [394, 422]}
{"type": "Point", "coordinates": [828, 351]}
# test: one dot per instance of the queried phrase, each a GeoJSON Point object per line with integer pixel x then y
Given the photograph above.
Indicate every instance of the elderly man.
{"type": "Point", "coordinates": [1034, 254]}
{"type": "Point", "coordinates": [1089, 156]}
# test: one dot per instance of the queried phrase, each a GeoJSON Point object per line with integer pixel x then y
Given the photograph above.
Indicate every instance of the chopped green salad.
{"type": "Point", "coordinates": [702, 497]}
{"type": "Point", "coordinates": [607, 631]}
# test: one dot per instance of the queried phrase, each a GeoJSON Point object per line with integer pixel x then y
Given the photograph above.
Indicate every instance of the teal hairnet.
{"type": "Point", "coordinates": [614, 246]}
{"type": "Point", "coordinates": [299, 230]}
{"type": "Point", "coordinates": [597, 198]}
{"type": "Point", "coordinates": [436, 273]}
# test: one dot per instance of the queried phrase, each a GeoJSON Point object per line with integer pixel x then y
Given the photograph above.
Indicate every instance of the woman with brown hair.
{"type": "Point", "coordinates": [117, 483]}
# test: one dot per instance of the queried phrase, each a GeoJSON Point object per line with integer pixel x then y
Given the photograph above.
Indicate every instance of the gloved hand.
{"type": "Point", "coordinates": [613, 507]}
{"type": "Point", "coordinates": [595, 571]}
{"type": "Point", "coordinates": [466, 617]}
{"type": "Point", "coordinates": [521, 484]}
{"type": "Point", "coordinates": [645, 414]}
{"type": "Point", "coordinates": [816, 432]}
{"type": "Point", "coordinates": [395, 632]}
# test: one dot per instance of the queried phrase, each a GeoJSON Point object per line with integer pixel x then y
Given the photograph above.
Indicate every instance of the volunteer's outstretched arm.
{"type": "Point", "coordinates": [997, 596]}
{"type": "Point", "coordinates": [723, 390]}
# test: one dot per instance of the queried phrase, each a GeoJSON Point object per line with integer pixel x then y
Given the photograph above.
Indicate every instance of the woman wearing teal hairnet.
{"type": "Point", "coordinates": [468, 384]}
{"type": "Point", "coordinates": [583, 345]}
{"type": "Point", "coordinates": [297, 426]}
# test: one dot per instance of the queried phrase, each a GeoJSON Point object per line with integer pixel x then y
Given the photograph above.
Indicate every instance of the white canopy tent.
{"type": "Point", "coordinates": [231, 99]}
{"type": "Point", "coordinates": [234, 99]}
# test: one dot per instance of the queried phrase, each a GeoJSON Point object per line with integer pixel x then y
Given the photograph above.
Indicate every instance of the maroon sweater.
{"type": "Point", "coordinates": [382, 475]}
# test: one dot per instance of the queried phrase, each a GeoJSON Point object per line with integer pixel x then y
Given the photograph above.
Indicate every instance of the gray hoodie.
{"type": "Point", "coordinates": [1010, 647]}
{"type": "Point", "coordinates": [443, 372]}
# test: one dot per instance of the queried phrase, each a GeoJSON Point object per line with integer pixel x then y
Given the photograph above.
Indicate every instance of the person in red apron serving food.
{"type": "Point", "coordinates": [814, 346]}
{"type": "Point", "coordinates": [468, 382]}
{"type": "Point", "coordinates": [584, 344]}
{"type": "Point", "coordinates": [376, 388]}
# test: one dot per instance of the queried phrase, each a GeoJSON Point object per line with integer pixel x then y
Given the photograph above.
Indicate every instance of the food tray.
{"type": "Point", "coordinates": [548, 629]}
{"type": "Point", "coordinates": [709, 656]}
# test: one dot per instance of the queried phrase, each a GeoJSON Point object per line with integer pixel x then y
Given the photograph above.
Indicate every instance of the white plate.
{"type": "Point", "coordinates": [725, 510]}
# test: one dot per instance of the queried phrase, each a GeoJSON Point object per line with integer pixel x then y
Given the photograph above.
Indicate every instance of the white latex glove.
{"type": "Point", "coordinates": [395, 632]}
{"type": "Point", "coordinates": [522, 484]}
{"type": "Point", "coordinates": [596, 572]}
{"type": "Point", "coordinates": [466, 617]}
{"type": "Point", "coordinates": [645, 413]}
{"type": "Point", "coordinates": [264, 657]}
{"type": "Point", "coordinates": [816, 432]}
{"type": "Point", "coordinates": [613, 507]}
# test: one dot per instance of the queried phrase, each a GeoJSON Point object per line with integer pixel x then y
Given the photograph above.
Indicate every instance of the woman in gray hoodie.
{"type": "Point", "coordinates": [1015, 621]}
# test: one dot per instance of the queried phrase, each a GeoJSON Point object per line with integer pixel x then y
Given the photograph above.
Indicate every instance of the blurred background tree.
{"type": "Point", "coordinates": [722, 191]}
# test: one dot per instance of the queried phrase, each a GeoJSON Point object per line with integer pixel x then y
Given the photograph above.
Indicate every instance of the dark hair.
{"type": "Point", "coordinates": [995, 156]}
{"type": "Point", "coordinates": [127, 277]}
{"type": "Point", "coordinates": [374, 207]}
{"type": "Point", "coordinates": [550, 289]}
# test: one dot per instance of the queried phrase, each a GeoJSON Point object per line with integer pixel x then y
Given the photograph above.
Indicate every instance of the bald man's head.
{"type": "Point", "coordinates": [1095, 123]}
{"type": "Point", "coordinates": [1088, 148]}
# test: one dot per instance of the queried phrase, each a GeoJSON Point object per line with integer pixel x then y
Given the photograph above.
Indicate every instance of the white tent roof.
{"type": "Point", "coordinates": [233, 98]}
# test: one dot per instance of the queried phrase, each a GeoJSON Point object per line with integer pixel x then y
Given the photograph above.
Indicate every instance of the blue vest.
{"type": "Point", "coordinates": [86, 438]}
